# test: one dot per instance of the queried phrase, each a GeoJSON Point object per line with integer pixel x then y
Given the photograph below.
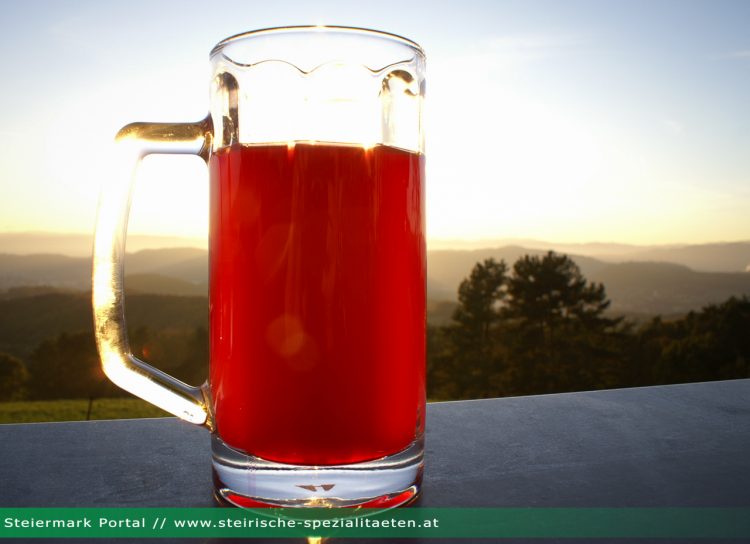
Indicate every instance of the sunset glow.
{"type": "Point", "coordinates": [572, 122]}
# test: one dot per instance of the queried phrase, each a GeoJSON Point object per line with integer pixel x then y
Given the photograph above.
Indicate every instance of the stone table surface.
{"type": "Point", "coordinates": [678, 445]}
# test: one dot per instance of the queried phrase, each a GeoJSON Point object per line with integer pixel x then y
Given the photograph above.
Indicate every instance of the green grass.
{"type": "Point", "coordinates": [75, 410]}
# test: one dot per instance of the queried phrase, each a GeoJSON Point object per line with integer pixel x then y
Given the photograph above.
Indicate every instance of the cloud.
{"type": "Point", "coordinates": [743, 54]}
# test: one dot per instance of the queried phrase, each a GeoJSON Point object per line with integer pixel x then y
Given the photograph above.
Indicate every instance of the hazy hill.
{"type": "Point", "coordinates": [54, 270]}
{"type": "Point", "coordinates": [714, 257]}
{"type": "Point", "coordinates": [164, 285]}
{"type": "Point", "coordinates": [640, 288]}
{"type": "Point", "coordinates": [440, 312]}
{"type": "Point", "coordinates": [634, 287]}
{"type": "Point", "coordinates": [79, 245]}
{"type": "Point", "coordinates": [27, 321]}
{"type": "Point", "coordinates": [153, 260]}
{"type": "Point", "coordinates": [728, 257]}
{"type": "Point", "coordinates": [28, 317]}
{"type": "Point", "coordinates": [447, 268]}
{"type": "Point", "coordinates": [35, 291]}
{"type": "Point", "coordinates": [188, 264]}
{"type": "Point", "coordinates": [592, 249]}
{"type": "Point", "coordinates": [665, 288]}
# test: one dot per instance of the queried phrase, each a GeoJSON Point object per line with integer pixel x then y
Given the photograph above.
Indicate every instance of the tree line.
{"type": "Point", "coordinates": [536, 327]}
{"type": "Point", "coordinates": [67, 366]}
{"type": "Point", "coordinates": [541, 327]}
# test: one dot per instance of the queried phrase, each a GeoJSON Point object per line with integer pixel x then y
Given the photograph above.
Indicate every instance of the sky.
{"type": "Point", "coordinates": [568, 121]}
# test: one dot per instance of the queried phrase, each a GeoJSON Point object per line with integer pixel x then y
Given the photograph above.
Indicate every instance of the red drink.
{"type": "Point", "coordinates": [317, 301]}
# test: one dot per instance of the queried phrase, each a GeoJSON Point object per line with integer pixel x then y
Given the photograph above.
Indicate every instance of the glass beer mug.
{"type": "Point", "coordinates": [315, 148]}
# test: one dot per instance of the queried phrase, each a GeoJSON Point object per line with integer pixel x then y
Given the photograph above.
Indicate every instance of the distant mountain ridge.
{"type": "Point", "coordinates": [44, 269]}
{"type": "Point", "coordinates": [80, 244]}
{"type": "Point", "coordinates": [186, 264]}
{"type": "Point", "coordinates": [719, 257]}
{"type": "Point", "coordinates": [448, 267]}
{"type": "Point", "coordinates": [666, 288]}
{"type": "Point", "coordinates": [645, 287]}
{"type": "Point", "coordinates": [704, 257]}
{"type": "Point", "coordinates": [163, 285]}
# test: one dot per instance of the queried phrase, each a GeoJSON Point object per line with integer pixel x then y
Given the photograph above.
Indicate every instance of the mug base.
{"type": "Point", "coordinates": [247, 481]}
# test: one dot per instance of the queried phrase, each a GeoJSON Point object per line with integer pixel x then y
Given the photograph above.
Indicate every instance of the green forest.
{"type": "Point", "coordinates": [541, 327]}
{"type": "Point", "coordinates": [538, 326]}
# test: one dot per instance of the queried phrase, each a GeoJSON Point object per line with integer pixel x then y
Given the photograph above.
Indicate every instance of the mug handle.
{"type": "Point", "coordinates": [133, 142]}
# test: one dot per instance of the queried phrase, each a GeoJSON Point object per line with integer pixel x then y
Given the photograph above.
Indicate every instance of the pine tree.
{"type": "Point", "coordinates": [559, 337]}
{"type": "Point", "coordinates": [474, 362]}
{"type": "Point", "coordinates": [13, 378]}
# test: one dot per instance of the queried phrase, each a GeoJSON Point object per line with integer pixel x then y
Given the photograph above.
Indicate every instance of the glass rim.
{"type": "Point", "coordinates": [318, 29]}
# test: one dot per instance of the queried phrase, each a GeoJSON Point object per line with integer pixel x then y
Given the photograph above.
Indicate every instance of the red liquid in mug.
{"type": "Point", "coordinates": [317, 301]}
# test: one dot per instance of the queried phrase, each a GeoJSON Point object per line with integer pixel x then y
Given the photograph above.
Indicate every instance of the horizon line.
{"type": "Point", "coordinates": [447, 243]}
